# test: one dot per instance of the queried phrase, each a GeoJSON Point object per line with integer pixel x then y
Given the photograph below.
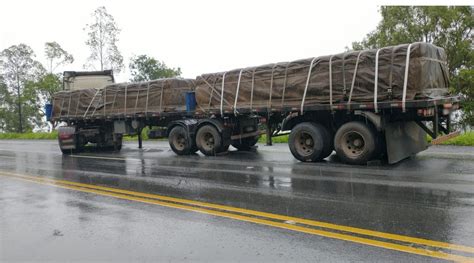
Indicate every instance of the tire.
{"type": "Point", "coordinates": [209, 140]}
{"type": "Point", "coordinates": [306, 142]}
{"type": "Point", "coordinates": [355, 143]}
{"type": "Point", "coordinates": [327, 141]}
{"type": "Point", "coordinates": [180, 141]}
{"type": "Point", "coordinates": [118, 144]}
{"type": "Point", "coordinates": [245, 144]}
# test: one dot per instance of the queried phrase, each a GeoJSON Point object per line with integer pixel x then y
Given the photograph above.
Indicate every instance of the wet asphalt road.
{"type": "Point", "coordinates": [430, 196]}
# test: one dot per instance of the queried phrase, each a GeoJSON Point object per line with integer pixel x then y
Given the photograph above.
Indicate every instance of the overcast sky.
{"type": "Point", "coordinates": [198, 36]}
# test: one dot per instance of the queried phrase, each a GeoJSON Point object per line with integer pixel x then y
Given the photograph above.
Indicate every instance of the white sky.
{"type": "Point", "coordinates": [198, 36]}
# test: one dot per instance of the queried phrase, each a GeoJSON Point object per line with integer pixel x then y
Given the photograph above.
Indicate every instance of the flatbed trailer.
{"type": "Point", "coordinates": [357, 131]}
{"type": "Point", "coordinates": [390, 133]}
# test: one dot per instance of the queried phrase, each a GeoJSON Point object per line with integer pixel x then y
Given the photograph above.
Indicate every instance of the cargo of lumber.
{"type": "Point", "coordinates": [157, 96]}
{"type": "Point", "coordinates": [357, 76]}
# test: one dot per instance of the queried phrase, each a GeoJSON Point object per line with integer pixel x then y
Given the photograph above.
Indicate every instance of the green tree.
{"type": "Point", "coordinates": [103, 35]}
{"type": "Point", "coordinates": [56, 55]}
{"type": "Point", "coordinates": [18, 67]}
{"type": "Point", "coordinates": [41, 92]}
{"type": "Point", "coordinates": [448, 27]}
{"type": "Point", "coordinates": [144, 68]}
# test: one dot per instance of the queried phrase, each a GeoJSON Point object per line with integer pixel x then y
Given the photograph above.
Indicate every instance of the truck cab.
{"type": "Point", "coordinates": [76, 80]}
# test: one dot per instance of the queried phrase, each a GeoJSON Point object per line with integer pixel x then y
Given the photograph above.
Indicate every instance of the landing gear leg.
{"type": "Point", "coordinates": [140, 139]}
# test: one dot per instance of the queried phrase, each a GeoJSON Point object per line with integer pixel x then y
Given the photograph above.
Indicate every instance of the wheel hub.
{"type": "Point", "coordinates": [353, 143]}
{"type": "Point", "coordinates": [305, 145]}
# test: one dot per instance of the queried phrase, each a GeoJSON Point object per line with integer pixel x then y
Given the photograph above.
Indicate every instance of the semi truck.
{"type": "Point", "coordinates": [364, 105]}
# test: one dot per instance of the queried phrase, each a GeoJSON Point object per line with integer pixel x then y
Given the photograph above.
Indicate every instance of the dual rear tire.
{"type": "Point", "coordinates": [310, 142]}
{"type": "Point", "coordinates": [354, 142]}
{"type": "Point", "coordinates": [208, 140]}
{"type": "Point", "coordinates": [181, 142]}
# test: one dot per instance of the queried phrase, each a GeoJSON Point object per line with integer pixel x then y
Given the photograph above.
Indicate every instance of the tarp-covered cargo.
{"type": "Point", "coordinates": [157, 96]}
{"type": "Point", "coordinates": [341, 78]}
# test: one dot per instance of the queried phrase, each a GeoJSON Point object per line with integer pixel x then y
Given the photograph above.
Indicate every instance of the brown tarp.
{"type": "Point", "coordinates": [157, 96]}
{"type": "Point", "coordinates": [280, 85]}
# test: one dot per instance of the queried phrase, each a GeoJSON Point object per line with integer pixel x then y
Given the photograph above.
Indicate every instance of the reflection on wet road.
{"type": "Point", "coordinates": [420, 209]}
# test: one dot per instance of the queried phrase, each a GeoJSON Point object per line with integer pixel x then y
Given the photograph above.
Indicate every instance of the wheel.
{"type": "Point", "coordinates": [179, 140]}
{"type": "Point", "coordinates": [306, 142]}
{"type": "Point", "coordinates": [327, 141]}
{"type": "Point", "coordinates": [354, 143]}
{"type": "Point", "coordinates": [118, 143]}
{"type": "Point", "coordinates": [245, 144]}
{"type": "Point", "coordinates": [209, 140]}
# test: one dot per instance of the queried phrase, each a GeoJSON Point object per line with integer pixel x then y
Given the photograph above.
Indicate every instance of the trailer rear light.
{"type": "Point", "coordinates": [448, 105]}
{"type": "Point", "coordinates": [426, 112]}
{"type": "Point", "coordinates": [396, 105]}
{"type": "Point", "coordinates": [65, 136]}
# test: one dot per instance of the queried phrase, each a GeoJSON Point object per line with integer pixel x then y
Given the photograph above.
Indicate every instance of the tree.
{"type": "Point", "coordinates": [18, 67]}
{"type": "Point", "coordinates": [448, 27]}
{"type": "Point", "coordinates": [144, 68]}
{"type": "Point", "coordinates": [41, 91]}
{"type": "Point", "coordinates": [53, 51]}
{"type": "Point", "coordinates": [103, 37]}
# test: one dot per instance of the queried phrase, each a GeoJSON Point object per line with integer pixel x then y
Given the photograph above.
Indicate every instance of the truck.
{"type": "Point", "coordinates": [364, 105]}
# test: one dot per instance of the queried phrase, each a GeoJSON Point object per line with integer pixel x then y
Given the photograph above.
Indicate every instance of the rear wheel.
{"type": "Point", "coordinates": [209, 140]}
{"type": "Point", "coordinates": [245, 144]}
{"type": "Point", "coordinates": [118, 142]}
{"type": "Point", "coordinates": [306, 142]}
{"type": "Point", "coordinates": [355, 143]}
{"type": "Point", "coordinates": [327, 142]}
{"type": "Point", "coordinates": [180, 141]}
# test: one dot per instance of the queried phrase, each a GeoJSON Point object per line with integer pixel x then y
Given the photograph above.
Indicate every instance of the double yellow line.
{"type": "Point", "coordinates": [419, 246]}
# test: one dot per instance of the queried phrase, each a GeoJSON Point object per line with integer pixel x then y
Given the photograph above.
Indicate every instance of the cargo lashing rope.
{"type": "Point", "coordinates": [237, 93]}
{"type": "Point", "coordinates": [376, 80]}
{"type": "Point", "coordinates": [330, 82]}
{"type": "Point", "coordinates": [284, 84]}
{"type": "Point", "coordinates": [253, 84]}
{"type": "Point", "coordinates": [222, 93]}
{"type": "Point", "coordinates": [271, 89]}
{"type": "Point", "coordinates": [93, 98]}
{"type": "Point", "coordinates": [307, 84]}
{"type": "Point", "coordinates": [405, 80]}
{"type": "Point", "coordinates": [354, 78]}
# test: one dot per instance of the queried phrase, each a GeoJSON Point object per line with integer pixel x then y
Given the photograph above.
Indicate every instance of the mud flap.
{"type": "Point", "coordinates": [67, 138]}
{"type": "Point", "coordinates": [404, 139]}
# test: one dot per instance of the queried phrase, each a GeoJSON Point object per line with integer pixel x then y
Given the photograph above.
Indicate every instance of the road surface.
{"type": "Point", "coordinates": [151, 205]}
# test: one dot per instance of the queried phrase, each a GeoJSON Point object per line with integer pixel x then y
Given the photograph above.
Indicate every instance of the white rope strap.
{"type": "Point", "coordinates": [330, 81]}
{"type": "Point", "coordinates": [344, 74]}
{"type": "Point", "coordinates": [405, 80]}
{"type": "Point", "coordinates": [222, 93]}
{"type": "Point", "coordinates": [354, 78]}
{"type": "Point", "coordinates": [251, 91]}
{"type": "Point", "coordinates": [105, 99]}
{"type": "Point", "coordinates": [126, 90]}
{"type": "Point", "coordinates": [271, 87]}
{"type": "Point", "coordinates": [284, 84]}
{"type": "Point", "coordinates": [237, 92]}
{"type": "Point", "coordinates": [147, 95]}
{"type": "Point", "coordinates": [307, 84]}
{"type": "Point", "coordinates": [88, 107]}
{"type": "Point", "coordinates": [376, 80]}
{"type": "Point", "coordinates": [161, 96]}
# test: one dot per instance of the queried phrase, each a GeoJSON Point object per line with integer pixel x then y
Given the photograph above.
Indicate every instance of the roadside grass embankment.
{"type": "Point", "coordinates": [465, 139]}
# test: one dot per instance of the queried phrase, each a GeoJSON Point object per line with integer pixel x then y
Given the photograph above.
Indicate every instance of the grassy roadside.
{"type": "Point", "coordinates": [29, 136]}
{"type": "Point", "coordinates": [465, 139]}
